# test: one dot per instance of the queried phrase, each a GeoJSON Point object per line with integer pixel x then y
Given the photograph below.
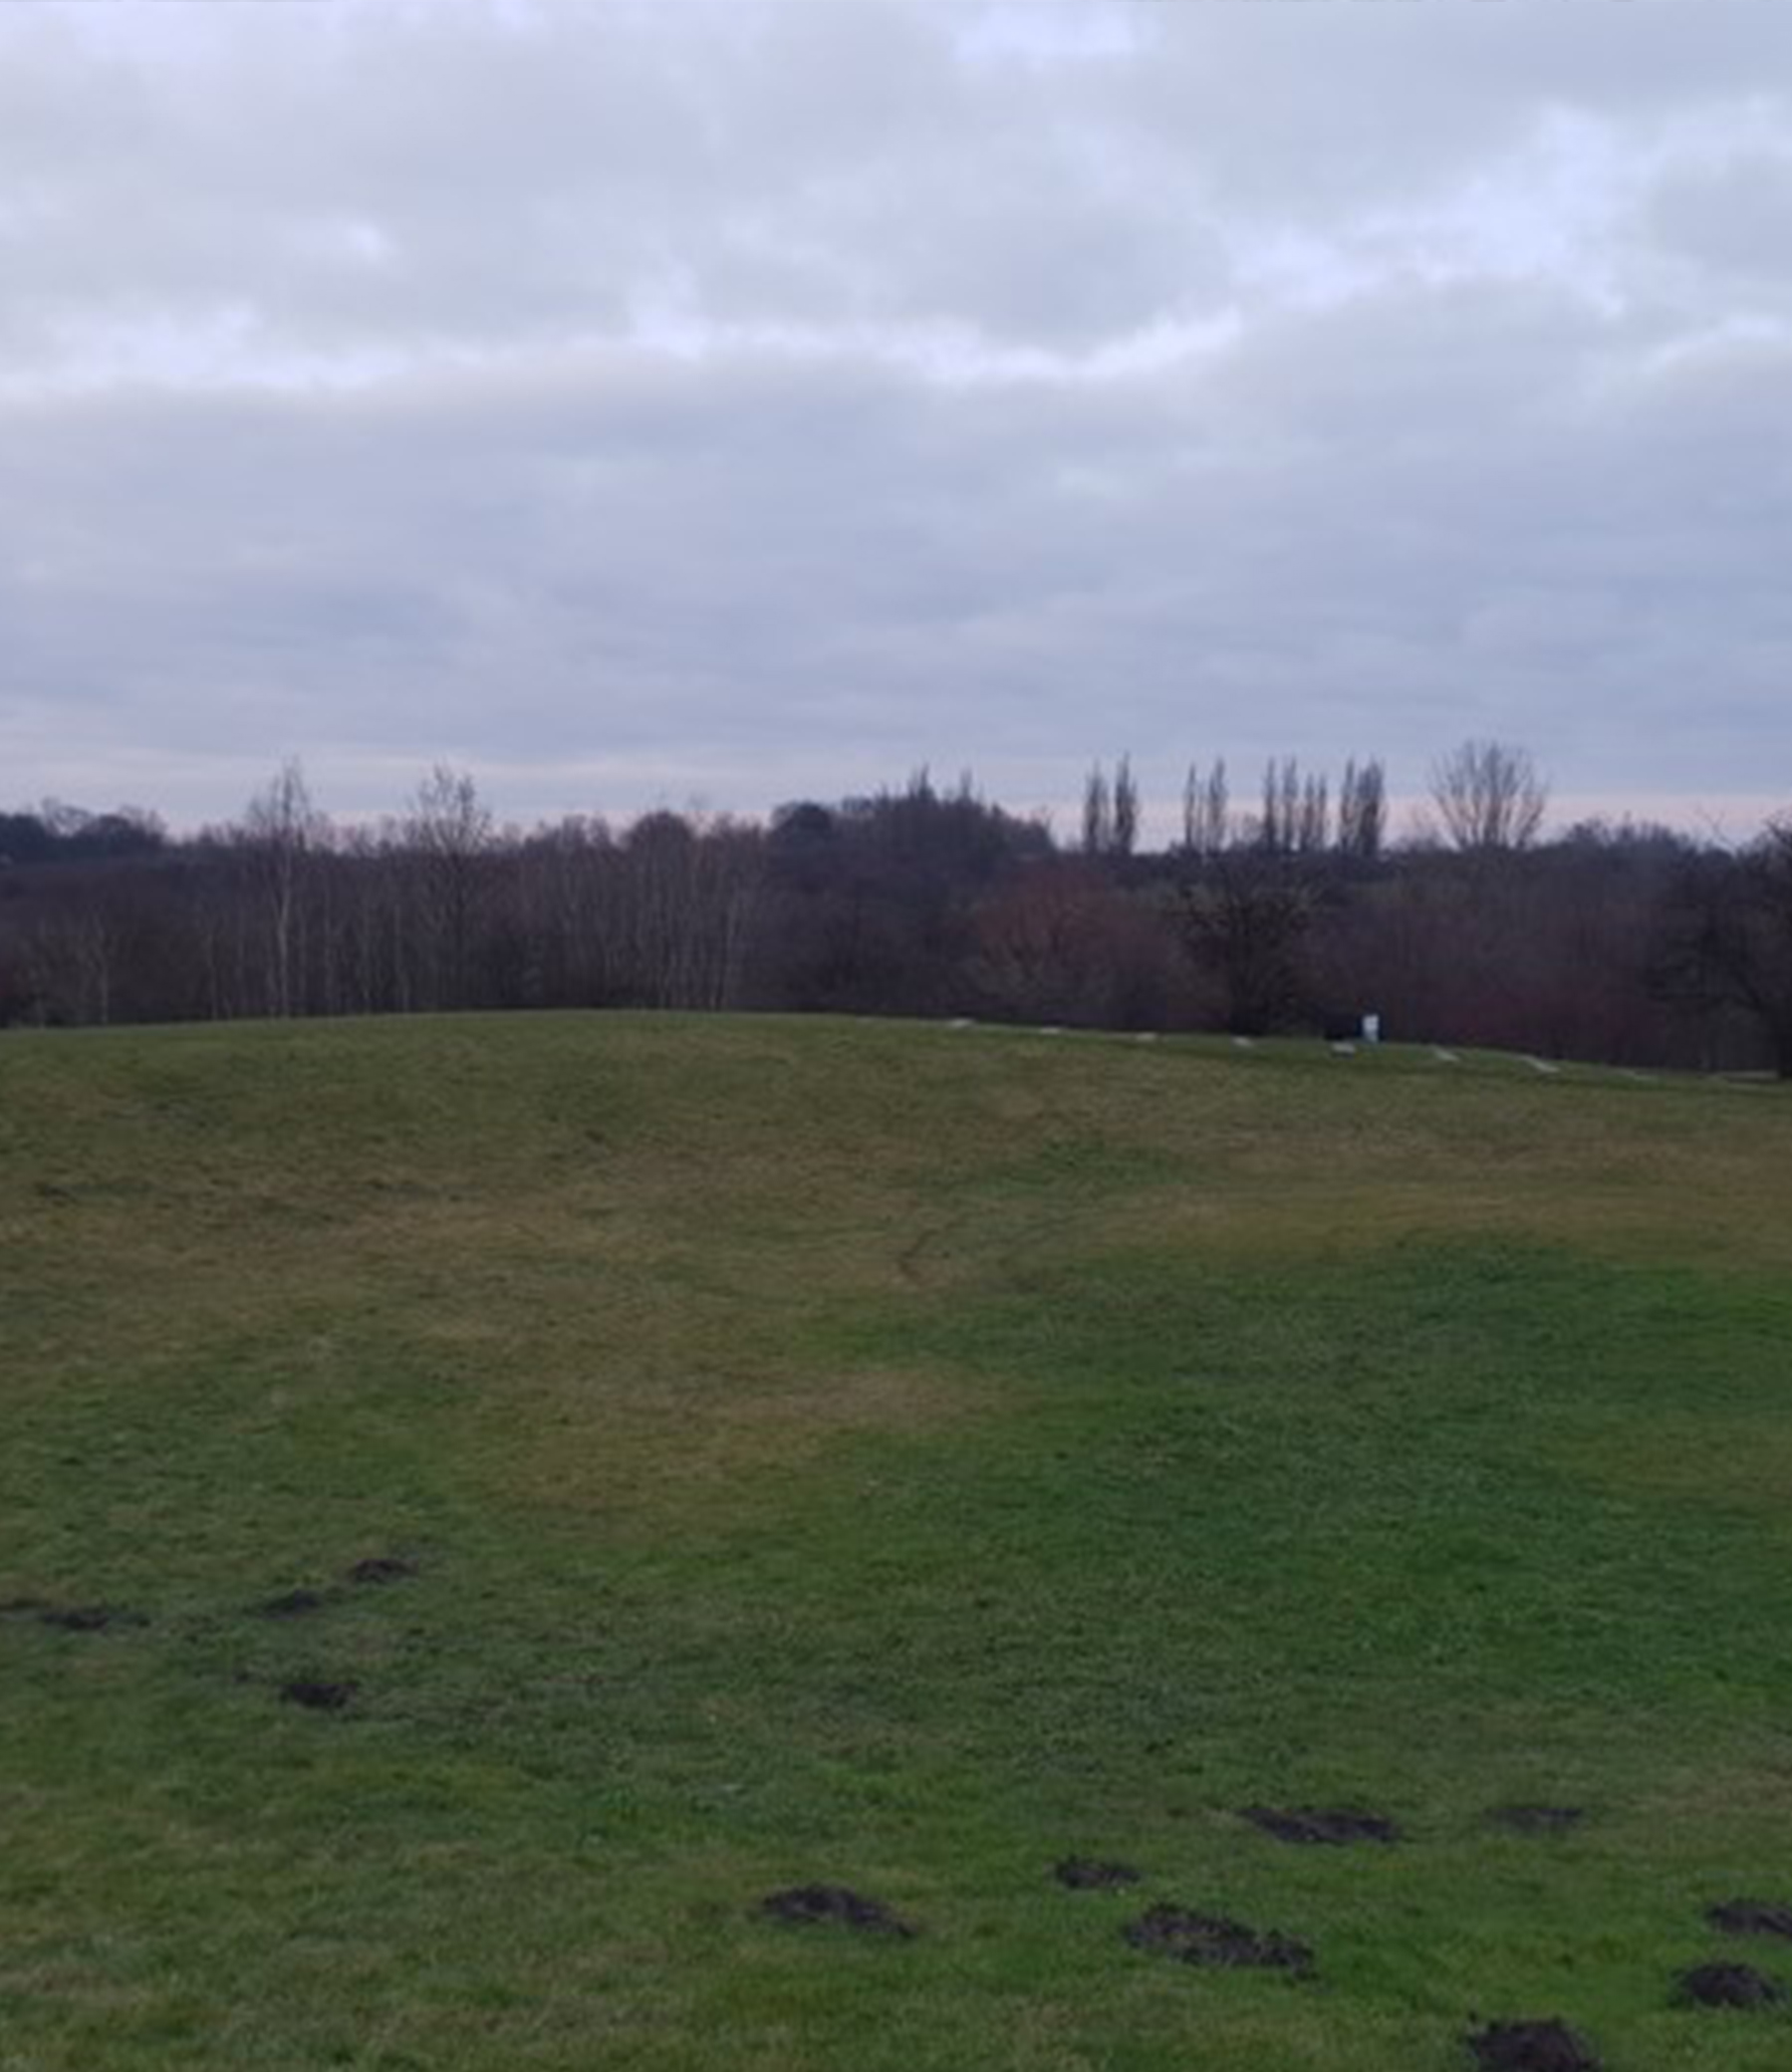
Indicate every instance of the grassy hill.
{"type": "Point", "coordinates": [701, 1458]}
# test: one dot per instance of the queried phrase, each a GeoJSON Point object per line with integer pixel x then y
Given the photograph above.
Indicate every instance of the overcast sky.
{"type": "Point", "coordinates": [660, 404]}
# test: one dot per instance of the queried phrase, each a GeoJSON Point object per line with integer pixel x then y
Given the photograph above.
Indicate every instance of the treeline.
{"type": "Point", "coordinates": [1293, 909]}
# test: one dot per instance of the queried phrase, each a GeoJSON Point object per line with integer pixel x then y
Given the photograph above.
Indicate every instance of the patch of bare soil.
{"type": "Point", "coordinates": [1536, 1820]}
{"type": "Point", "coordinates": [1089, 1874]}
{"type": "Point", "coordinates": [1751, 1917]}
{"type": "Point", "coordinates": [382, 1568]}
{"type": "Point", "coordinates": [294, 1603]}
{"type": "Point", "coordinates": [1531, 2047]}
{"type": "Point", "coordinates": [1727, 1986]}
{"type": "Point", "coordinates": [1210, 1938]}
{"type": "Point", "coordinates": [1326, 1827]}
{"type": "Point", "coordinates": [802, 1905]}
{"type": "Point", "coordinates": [318, 1698]}
{"type": "Point", "coordinates": [86, 1618]}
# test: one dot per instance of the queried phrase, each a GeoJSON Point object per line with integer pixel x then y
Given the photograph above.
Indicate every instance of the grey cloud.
{"type": "Point", "coordinates": [1734, 220]}
{"type": "Point", "coordinates": [634, 400]}
{"type": "Point", "coordinates": [1321, 109]}
{"type": "Point", "coordinates": [430, 174]}
{"type": "Point", "coordinates": [470, 567]}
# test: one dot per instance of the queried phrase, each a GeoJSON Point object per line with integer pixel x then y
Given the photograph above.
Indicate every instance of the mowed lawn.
{"type": "Point", "coordinates": [895, 1457]}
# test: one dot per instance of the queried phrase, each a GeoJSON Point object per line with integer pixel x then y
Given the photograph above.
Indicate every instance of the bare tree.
{"type": "Point", "coordinates": [74, 962]}
{"type": "Point", "coordinates": [1245, 922]}
{"type": "Point", "coordinates": [685, 900]}
{"type": "Point", "coordinates": [1489, 795]}
{"type": "Point", "coordinates": [1098, 813]}
{"type": "Point", "coordinates": [1362, 811]}
{"type": "Point", "coordinates": [1287, 807]}
{"type": "Point", "coordinates": [1124, 818]}
{"type": "Point", "coordinates": [1313, 827]}
{"type": "Point", "coordinates": [279, 830]}
{"type": "Point", "coordinates": [1729, 936]}
{"type": "Point", "coordinates": [1206, 809]}
{"type": "Point", "coordinates": [449, 831]}
{"type": "Point", "coordinates": [1267, 835]}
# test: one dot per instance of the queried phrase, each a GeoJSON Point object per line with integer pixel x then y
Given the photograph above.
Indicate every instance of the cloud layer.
{"type": "Point", "coordinates": [640, 404]}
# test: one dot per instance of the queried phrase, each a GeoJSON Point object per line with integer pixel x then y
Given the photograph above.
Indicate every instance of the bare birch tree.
{"type": "Point", "coordinates": [280, 830]}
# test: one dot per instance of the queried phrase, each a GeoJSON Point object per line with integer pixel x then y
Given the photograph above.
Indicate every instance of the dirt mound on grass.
{"type": "Point", "coordinates": [86, 1618]}
{"type": "Point", "coordinates": [1089, 1874]}
{"type": "Point", "coordinates": [1727, 1986]}
{"type": "Point", "coordinates": [1531, 2047]}
{"type": "Point", "coordinates": [318, 1698]}
{"type": "Point", "coordinates": [1317, 1826]}
{"type": "Point", "coordinates": [294, 1603]}
{"type": "Point", "coordinates": [1211, 1938]}
{"type": "Point", "coordinates": [802, 1905]}
{"type": "Point", "coordinates": [1751, 1917]}
{"type": "Point", "coordinates": [1535, 1820]}
{"type": "Point", "coordinates": [382, 1568]}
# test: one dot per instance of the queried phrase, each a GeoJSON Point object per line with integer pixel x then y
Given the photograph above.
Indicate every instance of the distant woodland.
{"type": "Point", "coordinates": [1290, 909]}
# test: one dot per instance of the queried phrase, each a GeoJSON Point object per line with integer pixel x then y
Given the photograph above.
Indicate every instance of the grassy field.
{"type": "Point", "coordinates": [896, 1457]}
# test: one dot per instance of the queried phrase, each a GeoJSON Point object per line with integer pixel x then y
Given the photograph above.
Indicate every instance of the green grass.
{"type": "Point", "coordinates": [893, 1456]}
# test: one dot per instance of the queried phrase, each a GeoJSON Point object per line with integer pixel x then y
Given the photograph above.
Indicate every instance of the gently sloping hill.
{"type": "Point", "coordinates": [1150, 1499]}
{"type": "Point", "coordinates": [1243, 1455]}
